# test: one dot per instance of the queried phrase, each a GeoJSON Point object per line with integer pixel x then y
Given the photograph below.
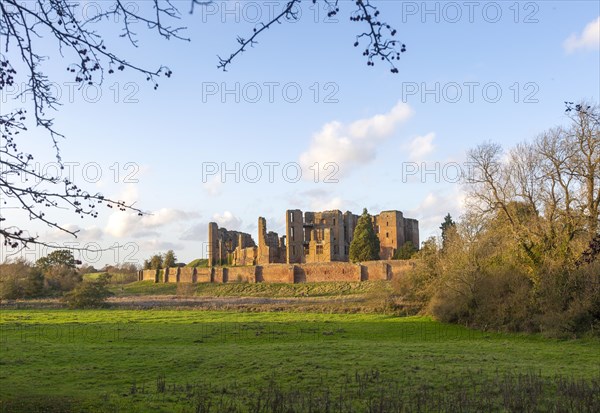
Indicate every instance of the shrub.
{"type": "Point", "coordinates": [89, 294]}
{"type": "Point", "coordinates": [20, 279]}
{"type": "Point", "coordinates": [571, 301]}
{"type": "Point", "coordinates": [405, 252]}
{"type": "Point", "coordinates": [62, 278]}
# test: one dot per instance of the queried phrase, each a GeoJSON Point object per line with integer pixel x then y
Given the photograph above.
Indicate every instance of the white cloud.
{"type": "Point", "coordinates": [130, 224]}
{"type": "Point", "coordinates": [352, 145]}
{"type": "Point", "coordinates": [157, 245]}
{"type": "Point", "coordinates": [327, 204]}
{"type": "Point", "coordinates": [197, 232]}
{"type": "Point", "coordinates": [129, 194]}
{"type": "Point", "coordinates": [227, 220]}
{"type": "Point", "coordinates": [318, 199]}
{"type": "Point", "coordinates": [421, 146]}
{"type": "Point", "coordinates": [213, 186]}
{"type": "Point", "coordinates": [589, 39]}
{"type": "Point", "coordinates": [434, 207]}
{"type": "Point", "coordinates": [84, 235]}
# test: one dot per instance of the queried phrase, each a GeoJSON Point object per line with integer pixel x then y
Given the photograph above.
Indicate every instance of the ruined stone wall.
{"type": "Point", "coordinates": [241, 274]}
{"type": "Point", "coordinates": [411, 231]}
{"type": "Point", "coordinates": [245, 256]}
{"type": "Point", "coordinates": [213, 244]}
{"type": "Point", "coordinates": [275, 273]}
{"type": "Point", "coordinates": [150, 275]}
{"type": "Point", "coordinates": [350, 221]}
{"type": "Point", "coordinates": [331, 271]}
{"type": "Point", "coordinates": [204, 275]}
{"type": "Point", "coordinates": [223, 244]}
{"type": "Point", "coordinates": [219, 275]}
{"type": "Point", "coordinates": [286, 273]}
{"type": "Point", "coordinates": [187, 275]}
{"type": "Point", "coordinates": [332, 221]}
{"type": "Point", "coordinates": [294, 235]}
{"type": "Point", "coordinates": [389, 226]}
{"type": "Point", "coordinates": [375, 270]}
{"type": "Point", "coordinates": [398, 268]}
{"type": "Point", "coordinates": [320, 246]}
{"type": "Point", "coordinates": [171, 275]}
{"type": "Point", "coordinates": [263, 252]}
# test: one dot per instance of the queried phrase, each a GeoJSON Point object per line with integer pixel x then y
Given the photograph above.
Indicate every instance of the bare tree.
{"type": "Point", "coordinates": [84, 47]}
{"type": "Point", "coordinates": [547, 191]}
{"type": "Point", "coordinates": [584, 137]}
{"type": "Point", "coordinates": [379, 36]}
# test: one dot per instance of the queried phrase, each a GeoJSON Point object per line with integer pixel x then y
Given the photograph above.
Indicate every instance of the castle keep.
{"type": "Point", "coordinates": [312, 237]}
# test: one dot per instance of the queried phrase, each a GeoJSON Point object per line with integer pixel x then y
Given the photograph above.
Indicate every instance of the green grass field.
{"type": "Point", "coordinates": [171, 361]}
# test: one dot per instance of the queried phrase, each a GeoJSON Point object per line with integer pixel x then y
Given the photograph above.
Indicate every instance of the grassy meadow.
{"type": "Point", "coordinates": [209, 361]}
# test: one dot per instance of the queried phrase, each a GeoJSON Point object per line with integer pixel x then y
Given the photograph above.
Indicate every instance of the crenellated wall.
{"type": "Point", "coordinates": [187, 275]}
{"type": "Point", "coordinates": [283, 273]}
{"type": "Point", "coordinates": [329, 271]}
{"type": "Point", "coordinates": [400, 267]}
{"type": "Point", "coordinates": [219, 275]}
{"type": "Point", "coordinates": [148, 275]}
{"type": "Point", "coordinates": [241, 274]}
{"type": "Point", "coordinates": [204, 275]}
{"type": "Point", "coordinates": [375, 270]}
{"type": "Point", "coordinates": [275, 273]}
{"type": "Point", "coordinates": [171, 275]}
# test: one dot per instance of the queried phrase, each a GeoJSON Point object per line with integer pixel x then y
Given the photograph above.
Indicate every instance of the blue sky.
{"type": "Point", "coordinates": [370, 126]}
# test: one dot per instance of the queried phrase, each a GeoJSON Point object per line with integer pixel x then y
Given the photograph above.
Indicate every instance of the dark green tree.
{"type": "Point", "coordinates": [447, 226]}
{"type": "Point", "coordinates": [156, 262]}
{"type": "Point", "coordinates": [169, 259]}
{"type": "Point", "coordinates": [365, 244]}
{"type": "Point", "coordinates": [59, 270]}
{"type": "Point", "coordinates": [57, 258]}
{"type": "Point", "coordinates": [20, 279]}
{"type": "Point", "coordinates": [405, 252]}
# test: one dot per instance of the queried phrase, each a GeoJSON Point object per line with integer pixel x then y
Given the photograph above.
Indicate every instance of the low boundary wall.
{"type": "Point", "coordinates": [283, 273]}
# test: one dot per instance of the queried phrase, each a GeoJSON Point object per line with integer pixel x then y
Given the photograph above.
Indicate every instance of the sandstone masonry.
{"type": "Point", "coordinates": [312, 237]}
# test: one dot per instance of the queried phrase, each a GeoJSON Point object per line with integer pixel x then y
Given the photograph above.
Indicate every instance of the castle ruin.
{"type": "Point", "coordinates": [312, 237]}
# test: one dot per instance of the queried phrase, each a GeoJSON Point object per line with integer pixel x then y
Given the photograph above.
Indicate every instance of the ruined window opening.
{"type": "Point", "coordinates": [387, 234]}
{"type": "Point", "coordinates": [319, 249]}
{"type": "Point", "coordinates": [291, 217]}
{"type": "Point", "coordinates": [333, 221]}
{"type": "Point", "coordinates": [292, 233]}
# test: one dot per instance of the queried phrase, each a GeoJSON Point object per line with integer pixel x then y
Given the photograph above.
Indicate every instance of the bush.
{"type": "Point", "coordinates": [571, 302]}
{"type": "Point", "coordinates": [89, 294]}
{"type": "Point", "coordinates": [405, 252]}
{"type": "Point", "coordinates": [62, 278]}
{"type": "Point", "coordinates": [20, 279]}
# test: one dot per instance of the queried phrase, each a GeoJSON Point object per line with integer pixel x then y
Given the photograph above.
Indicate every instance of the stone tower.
{"type": "Point", "coordinates": [294, 235]}
{"type": "Point", "coordinates": [214, 253]}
